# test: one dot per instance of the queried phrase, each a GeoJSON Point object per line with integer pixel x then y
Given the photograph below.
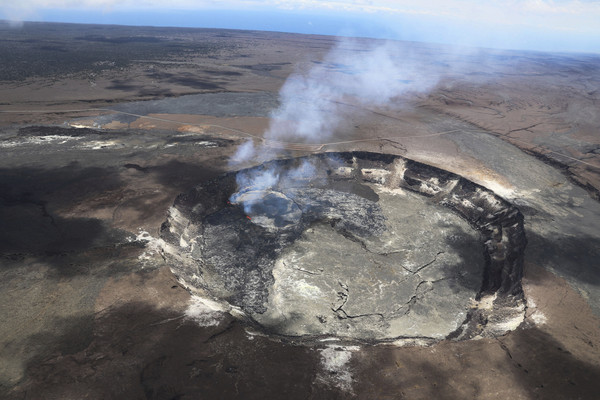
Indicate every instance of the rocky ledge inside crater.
{"type": "Point", "coordinates": [354, 245]}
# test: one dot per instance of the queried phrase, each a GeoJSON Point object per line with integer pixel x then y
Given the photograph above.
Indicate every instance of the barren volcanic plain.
{"type": "Point", "coordinates": [167, 230]}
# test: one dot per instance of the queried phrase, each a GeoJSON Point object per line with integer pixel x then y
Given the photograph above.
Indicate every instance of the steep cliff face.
{"type": "Point", "coordinates": [500, 223]}
{"type": "Point", "coordinates": [360, 245]}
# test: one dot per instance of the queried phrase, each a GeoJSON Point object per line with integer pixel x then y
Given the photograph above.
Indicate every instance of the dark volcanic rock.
{"type": "Point", "coordinates": [57, 131]}
{"type": "Point", "coordinates": [241, 248]}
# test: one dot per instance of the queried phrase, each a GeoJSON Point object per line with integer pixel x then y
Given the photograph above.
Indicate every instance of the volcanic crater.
{"type": "Point", "coordinates": [355, 245]}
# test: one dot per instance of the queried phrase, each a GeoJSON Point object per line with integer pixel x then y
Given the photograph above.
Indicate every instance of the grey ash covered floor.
{"type": "Point", "coordinates": [415, 279]}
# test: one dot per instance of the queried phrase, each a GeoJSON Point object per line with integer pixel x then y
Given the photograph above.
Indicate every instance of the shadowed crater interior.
{"type": "Point", "coordinates": [356, 245]}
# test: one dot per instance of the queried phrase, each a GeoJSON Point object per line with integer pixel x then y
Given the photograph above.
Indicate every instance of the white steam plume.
{"type": "Point", "coordinates": [251, 186]}
{"type": "Point", "coordinates": [353, 72]}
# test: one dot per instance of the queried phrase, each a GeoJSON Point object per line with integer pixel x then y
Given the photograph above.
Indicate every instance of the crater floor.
{"type": "Point", "coordinates": [353, 245]}
{"type": "Point", "coordinates": [415, 279]}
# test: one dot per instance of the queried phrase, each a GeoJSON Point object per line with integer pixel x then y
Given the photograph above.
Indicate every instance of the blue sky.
{"type": "Point", "coordinates": [558, 25]}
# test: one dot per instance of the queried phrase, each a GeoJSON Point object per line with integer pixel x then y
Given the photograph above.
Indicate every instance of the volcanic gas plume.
{"type": "Point", "coordinates": [311, 101]}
